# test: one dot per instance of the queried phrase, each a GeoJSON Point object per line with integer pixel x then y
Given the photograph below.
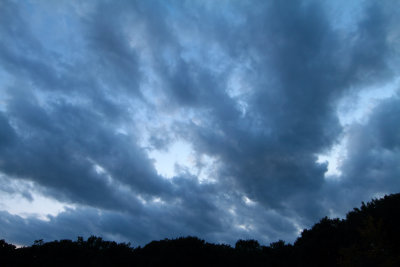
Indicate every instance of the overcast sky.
{"type": "Point", "coordinates": [227, 120]}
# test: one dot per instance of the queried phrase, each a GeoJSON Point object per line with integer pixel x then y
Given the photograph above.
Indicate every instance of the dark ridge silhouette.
{"type": "Point", "coordinates": [369, 236]}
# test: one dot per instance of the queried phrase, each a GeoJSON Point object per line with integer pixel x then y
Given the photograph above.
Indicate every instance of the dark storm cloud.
{"type": "Point", "coordinates": [68, 225]}
{"type": "Point", "coordinates": [270, 152]}
{"type": "Point", "coordinates": [58, 144]}
{"type": "Point", "coordinates": [371, 167]}
{"type": "Point", "coordinates": [170, 219]}
{"type": "Point", "coordinates": [59, 148]}
{"type": "Point", "coordinates": [109, 45]}
{"type": "Point", "coordinates": [166, 221]}
{"type": "Point", "coordinates": [7, 134]}
{"type": "Point", "coordinates": [19, 48]}
{"type": "Point", "coordinates": [60, 125]}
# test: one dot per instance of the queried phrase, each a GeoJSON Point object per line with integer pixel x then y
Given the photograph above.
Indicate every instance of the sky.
{"type": "Point", "coordinates": [226, 120]}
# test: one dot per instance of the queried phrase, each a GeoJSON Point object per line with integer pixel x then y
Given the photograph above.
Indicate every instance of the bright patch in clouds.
{"type": "Point", "coordinates": [180, 157]}
{"type": "Point", "coordinates": [355, 109]}
{"type": "Point", "coordinates": [177, 155]}
{"type": "Point", "coordinates": [335, 156]}
{"type": "Point", "coordinates": [34, 204]}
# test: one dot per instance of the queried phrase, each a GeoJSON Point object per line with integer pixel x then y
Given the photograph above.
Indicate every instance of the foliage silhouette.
{"type": "Point", "coordinates": [247, 245]}
{"type": "Point", "coordinates": [369, 236]}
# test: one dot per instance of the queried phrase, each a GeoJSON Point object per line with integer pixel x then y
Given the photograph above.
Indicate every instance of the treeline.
{"type": "Point", "coordinates": [369, 236]}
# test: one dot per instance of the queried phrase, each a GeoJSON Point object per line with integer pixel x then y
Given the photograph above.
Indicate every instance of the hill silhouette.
{"type": "Point", "coordinates": [368, 236]}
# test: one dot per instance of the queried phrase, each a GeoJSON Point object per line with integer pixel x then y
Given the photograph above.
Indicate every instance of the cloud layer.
{"type": "Point", "coordinates": [91, 92]}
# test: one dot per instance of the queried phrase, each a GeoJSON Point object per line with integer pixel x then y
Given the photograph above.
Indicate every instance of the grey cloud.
{"type": "Point", "coordinates": [51, 139]}
{"type": "Point", "coordinates": [56, 147]}
{"type": "Point", "coordinates": [270, 152]}
{"type": "Point", "coordinates": [7, 134]}
{"type": "Point", "coordinates": [62, 118]}
{"type": "Point", "coordinates": [109, 46]}
{"type": "Point", "coordinates": [167, 221]}
{"type": "Point", "coordinates": [373, 150]}
{"type": "Point", "coordinates": [157, 222]}
{"type": "Point", "coordinates": [67, 225]}
{"type": "Point", "coordinates": [371, 165]}
{"type": "Point", "coordinates": [11, 187]}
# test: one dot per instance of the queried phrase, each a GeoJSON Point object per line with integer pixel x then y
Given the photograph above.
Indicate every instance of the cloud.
{"type": "Point", "coordinates": [253, 86]}
{"type": "Point", "coordinates": [370, 167]}
{"type": "Point", "coordinates": [270, 153]}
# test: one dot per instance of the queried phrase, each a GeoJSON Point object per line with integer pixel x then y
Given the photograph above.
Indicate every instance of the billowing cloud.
{"type": "Point", "coordinates": [93, 93]}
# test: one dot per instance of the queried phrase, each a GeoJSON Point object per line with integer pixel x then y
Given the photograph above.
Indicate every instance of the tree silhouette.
{"type": "Point", "coordinates": [247, 245]}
